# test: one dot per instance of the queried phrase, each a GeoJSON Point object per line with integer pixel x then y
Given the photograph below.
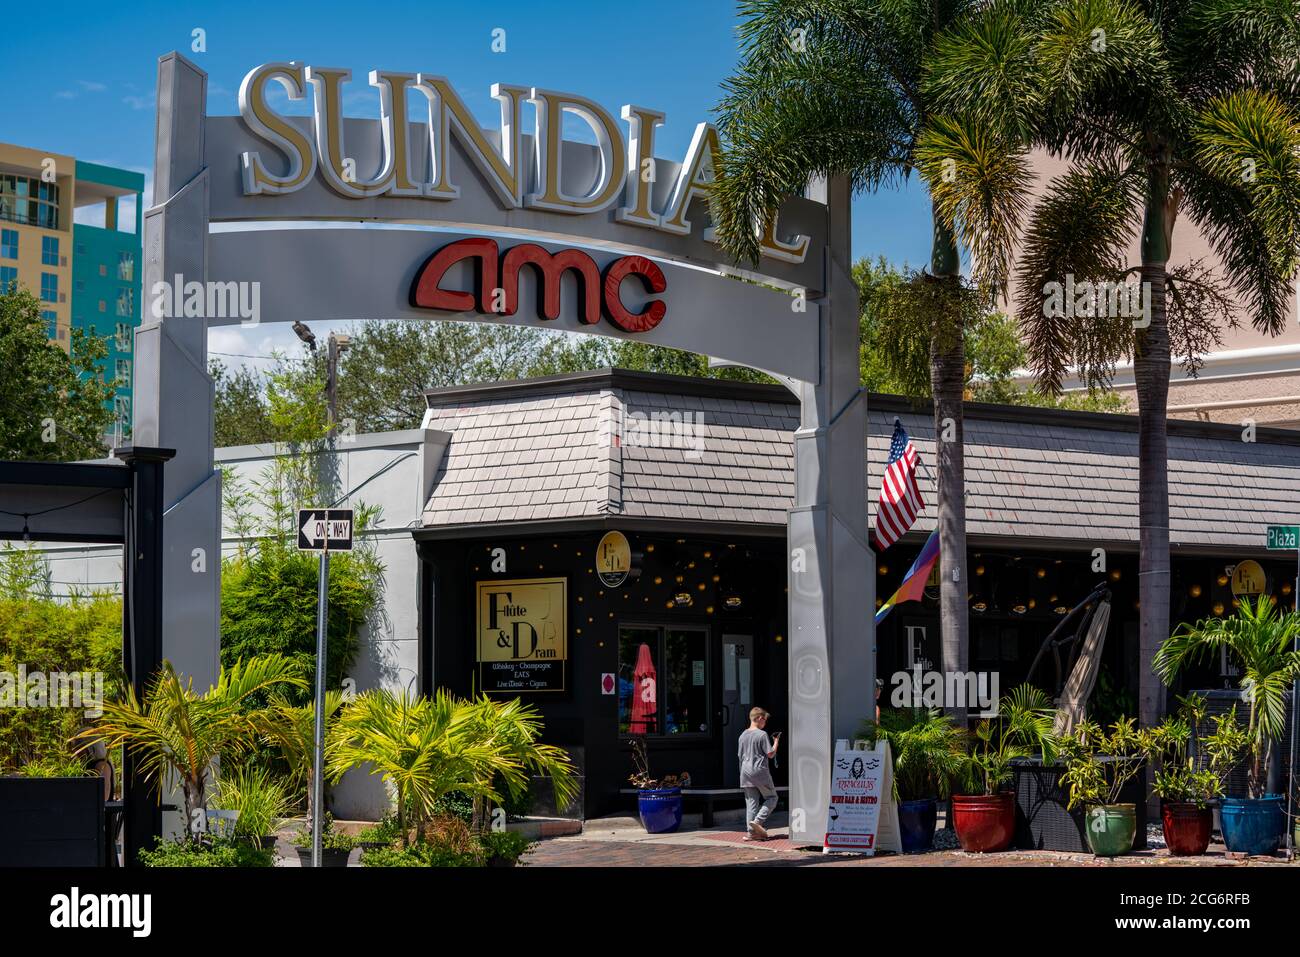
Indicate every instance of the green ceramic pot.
{"type": "Point", "coordinates": [1111, 828]}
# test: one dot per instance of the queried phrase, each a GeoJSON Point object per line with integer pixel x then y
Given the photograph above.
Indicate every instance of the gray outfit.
{"type": "Point", "coordinates": [756, 776]}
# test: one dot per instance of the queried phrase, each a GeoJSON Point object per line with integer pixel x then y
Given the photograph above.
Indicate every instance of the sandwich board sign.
{"type": "Point", "coordinates": [862, 816]}
{"type": "Point", "coordinates": [325, 529]}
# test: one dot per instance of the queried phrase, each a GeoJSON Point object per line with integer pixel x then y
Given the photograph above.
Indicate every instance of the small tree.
{"type": "Point", "coordinates": [54, 405]}
{"type": "Point", "coordinates": [176, 734]}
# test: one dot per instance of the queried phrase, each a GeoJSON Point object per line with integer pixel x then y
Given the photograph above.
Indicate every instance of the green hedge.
{"type": "Point", "coordinates": [44, 635]}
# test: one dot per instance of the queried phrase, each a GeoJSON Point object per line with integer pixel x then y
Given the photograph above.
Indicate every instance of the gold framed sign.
{"type": "Point", "coordinates": [1248, 579]}
{"type": "Point", "coordinates": [522, 634]}
{"type": "Point", "coordinates": [613, 559]}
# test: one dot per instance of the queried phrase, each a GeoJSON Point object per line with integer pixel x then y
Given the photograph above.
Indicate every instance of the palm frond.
{"type": "Point", "coordinates": [1078, 232]}
{"type": "Point", "coordinates": [979, 182]}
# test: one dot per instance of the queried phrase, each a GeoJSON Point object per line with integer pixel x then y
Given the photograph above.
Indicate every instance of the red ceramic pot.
{"type": "Point", "coordinates": [1187, 828]}
{"type": "Point", "coordinates": [984, 822]}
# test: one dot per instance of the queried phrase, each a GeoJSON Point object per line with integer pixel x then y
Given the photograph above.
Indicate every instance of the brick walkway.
{"type": "Point", "coordinates": [614, 844]}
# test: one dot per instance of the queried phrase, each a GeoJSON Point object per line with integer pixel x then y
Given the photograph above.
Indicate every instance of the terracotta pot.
{"type": "Point", "coordinates": [984, 822]}
{"type": "Point", "coordinates": [1187, 828]}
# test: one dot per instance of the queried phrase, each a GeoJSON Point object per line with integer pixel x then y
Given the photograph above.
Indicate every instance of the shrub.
{"type": "Point", "coordinates": [330, 839]}
{"type": "Point", "coordinates": [217, 852]}
{"type": "Point", "coordinates": [45, 635]}
{"type": "Point", "coordinates": [505, 845]}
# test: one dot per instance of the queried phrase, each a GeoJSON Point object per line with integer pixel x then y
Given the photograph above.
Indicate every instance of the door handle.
{"type": "Point", "coordinates": [726, 715]}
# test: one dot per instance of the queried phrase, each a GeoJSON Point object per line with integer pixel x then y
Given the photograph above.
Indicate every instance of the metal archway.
{"type": "Point", "coordinates": [240, 200]}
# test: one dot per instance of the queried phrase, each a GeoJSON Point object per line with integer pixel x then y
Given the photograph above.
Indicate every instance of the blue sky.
{"type": "Point", "coordinates": [81, 82]}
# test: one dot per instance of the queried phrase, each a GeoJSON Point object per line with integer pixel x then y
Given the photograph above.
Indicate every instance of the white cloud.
{"type": "Point", "coordinates": [140, 102]}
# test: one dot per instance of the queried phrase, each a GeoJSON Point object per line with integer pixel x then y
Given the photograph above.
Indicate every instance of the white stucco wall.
{"type": "Point", "coordinates": [393, 470]}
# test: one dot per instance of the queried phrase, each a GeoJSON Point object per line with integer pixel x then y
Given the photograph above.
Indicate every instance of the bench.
{"type": "Point", "coordinates": [708, 796]}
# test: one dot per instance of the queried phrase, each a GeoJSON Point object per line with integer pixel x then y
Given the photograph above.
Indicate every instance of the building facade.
{"type": "Point", "coordinates": [697, 476]}
{"type": "Point", "coordinates": [106, 272]}
{"type": "Point", "coordinates": [64, 237]}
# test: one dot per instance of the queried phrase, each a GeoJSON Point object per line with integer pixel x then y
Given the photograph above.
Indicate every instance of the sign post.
{"type": "Point", "coordinates": [1287, 538]}
{"type": "Point", "coordinates": [320, 530]}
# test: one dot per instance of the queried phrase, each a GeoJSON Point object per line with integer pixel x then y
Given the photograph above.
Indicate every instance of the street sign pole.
{"type": "Point", "coordinates": [1295, 716]}
{"type": "Point", "coordinates": [1285, 538]}
{"type": "Point", "coordinates": [319, 530]}
{"type": "Point", "coordinates": [318, 758]}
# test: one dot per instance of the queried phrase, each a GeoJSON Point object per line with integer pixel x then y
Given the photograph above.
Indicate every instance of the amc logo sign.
{"type": "Point", "coordinates": [496, 283]}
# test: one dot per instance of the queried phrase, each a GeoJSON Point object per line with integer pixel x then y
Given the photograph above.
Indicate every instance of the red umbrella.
{"type": "Point", "coordinates": [645, 706]}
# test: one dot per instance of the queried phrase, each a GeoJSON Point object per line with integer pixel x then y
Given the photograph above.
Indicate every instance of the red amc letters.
{"type": "Point", "coordinates": [496, 283]}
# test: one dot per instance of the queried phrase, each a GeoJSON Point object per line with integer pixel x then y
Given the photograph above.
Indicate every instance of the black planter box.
{"type": "Point", "coordinates": [1042, 821]}
{"type": "Point", "coordinates": [52, 822]}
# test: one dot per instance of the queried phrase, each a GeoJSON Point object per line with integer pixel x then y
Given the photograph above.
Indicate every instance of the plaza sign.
{"type": "Point", "coordinates": [553, 179]}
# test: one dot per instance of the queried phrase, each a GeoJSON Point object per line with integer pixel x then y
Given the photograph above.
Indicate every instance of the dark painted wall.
{"type": "Point", "coordinates": [581, 717]}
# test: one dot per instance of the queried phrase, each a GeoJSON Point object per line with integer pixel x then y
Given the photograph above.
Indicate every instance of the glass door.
{"type": "Point", "coordinates": [737, 699]}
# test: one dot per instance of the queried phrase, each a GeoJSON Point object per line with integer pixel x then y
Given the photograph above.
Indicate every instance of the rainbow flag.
{"type": "Point", "coordinates": [913, 586]}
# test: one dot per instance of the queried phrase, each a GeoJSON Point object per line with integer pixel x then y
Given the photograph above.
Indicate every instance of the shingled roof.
{"type": "Point", "coordinates": [616, 444]}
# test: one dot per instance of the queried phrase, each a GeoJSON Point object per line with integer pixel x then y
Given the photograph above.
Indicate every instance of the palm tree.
{"type": "Point", "coordinates": [515, 729]}
{"type": "Point", "coordinates": [298, 740]}
{"type": "Point", "coordinates": [1163, 108]}
{"type": "Point", "coordinates": [855, 88]}
{"type": "Point", "coordinates": [176, 735]}
{"type": "Point", "coordinates": [1262, 641]}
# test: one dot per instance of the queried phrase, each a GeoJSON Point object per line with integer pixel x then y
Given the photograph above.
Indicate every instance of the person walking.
{"type": "Point", "coordinates": [756, 750]}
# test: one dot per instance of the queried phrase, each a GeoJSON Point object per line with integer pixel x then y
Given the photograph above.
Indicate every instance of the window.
{"type": "Point", "coordinates": [29, 201]}
{"type": "Point", "coordinates": [8, 276]}
{"type": "Point", "coordinates": [122, 370]}
{"type": "Point", "coordinates": [51, 323]}
{"type": "Point", "coordinates": [49, 250]}
{"type": "Point", "coordinates": [122, 406]}
{"type": "Point", "coordinates": [125, 266]}
{"type": "Point", "coordinates": [122, 335]}
{"type": "Point", "coordinates": [49, 287]}
{"type": "Point", "coordinates": [103, 270]}
{"type": "Point", "coordinates": [8, 244]}
{"type": "Point", "coordinates": [126, 302]}
{"type": "Point", "coordinates": [663, 680]}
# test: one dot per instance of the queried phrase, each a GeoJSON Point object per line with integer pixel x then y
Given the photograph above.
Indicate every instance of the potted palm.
{"type": "Point", "coordinates": [984, 813]}
{"type": "Point", "coordinates": [1261, 640]}
{"type": "Point", "coordinates": [928, 754]}
{"type": "Point", "coordinates": [1186, 786]}
{"type": "Point", "coordinates": [658, 800]}
{"type": "Point", "coordinates": [1097, 768]}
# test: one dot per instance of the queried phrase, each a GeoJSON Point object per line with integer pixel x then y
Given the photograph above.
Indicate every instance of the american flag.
{"type": "Point", "coordinates": [900, 499]}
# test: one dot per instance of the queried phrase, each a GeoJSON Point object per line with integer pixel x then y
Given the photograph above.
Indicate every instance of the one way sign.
{"type": "Point", "coordinates": [325, 529]}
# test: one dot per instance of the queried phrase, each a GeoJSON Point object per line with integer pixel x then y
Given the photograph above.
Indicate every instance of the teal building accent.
{"type": "Point", "coordinates": [107, 263]}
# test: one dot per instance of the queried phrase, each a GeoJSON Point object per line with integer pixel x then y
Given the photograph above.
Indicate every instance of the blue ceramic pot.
{"type": "Point", "coordinates": [1252, 825]}
{"type": "Point", "coordinates": [916, 821]}
{"type": "Point", "coordinates": [660, 810]}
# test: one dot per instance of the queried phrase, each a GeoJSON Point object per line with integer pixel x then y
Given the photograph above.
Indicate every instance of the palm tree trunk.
{"type": "Point", "coordinates": [947, 382]}
{"type": "Point", "coordinates": [195, 807]}
{"type": "Point", "coordinates": [1151, 377]}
